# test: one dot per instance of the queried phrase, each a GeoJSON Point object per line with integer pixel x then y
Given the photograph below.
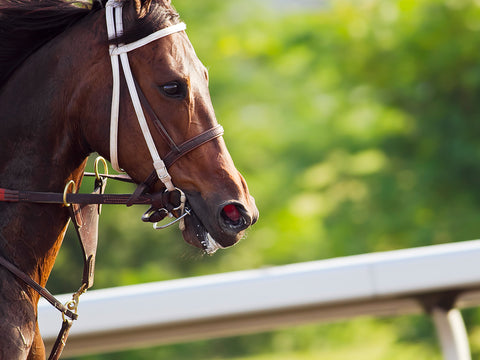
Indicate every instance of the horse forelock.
{"type": "Point", "coordinates": [152, 17]}
{"type": "Point", "coordinates": [26, 25]}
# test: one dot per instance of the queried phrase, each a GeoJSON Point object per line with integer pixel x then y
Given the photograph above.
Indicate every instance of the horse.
{"type": "Point", "coordinates": [56, 101]}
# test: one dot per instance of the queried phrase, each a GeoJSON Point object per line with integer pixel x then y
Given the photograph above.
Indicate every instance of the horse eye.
{"type": "Point", "coordinates": [174, 90]}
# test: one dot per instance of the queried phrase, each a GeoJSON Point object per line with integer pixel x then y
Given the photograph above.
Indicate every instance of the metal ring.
{"type": "Point", "coordinates": [72, 184]}
{"type": "Point", "coordinates": [160, 227]}
{"type": "Point", "coordinates": [183, 198]}
{"type": "Point", "coordinates": [105, 166]}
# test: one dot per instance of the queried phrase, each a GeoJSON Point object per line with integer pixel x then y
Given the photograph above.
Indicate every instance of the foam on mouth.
{"type": "Point", "coordinates": [210, 246]}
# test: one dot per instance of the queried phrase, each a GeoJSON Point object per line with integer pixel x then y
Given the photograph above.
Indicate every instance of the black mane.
{"type": "Point", "coordinates": [26, 25]}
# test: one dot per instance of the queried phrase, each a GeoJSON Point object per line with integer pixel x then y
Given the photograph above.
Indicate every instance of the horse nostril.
{"type": "Point", "coordinates": [231, 216]}
{"type": "Point", "coordinates": [230, 212]}
{"type": "Point", "coordinates": [234, 217]}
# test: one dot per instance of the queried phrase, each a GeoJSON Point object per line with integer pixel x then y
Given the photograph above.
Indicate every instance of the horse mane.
{"type": "Point", "coordinates": [26, 25]}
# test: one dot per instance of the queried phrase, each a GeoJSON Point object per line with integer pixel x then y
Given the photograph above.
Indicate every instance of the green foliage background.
{"type": "Point", "coordinates": [356, 126]}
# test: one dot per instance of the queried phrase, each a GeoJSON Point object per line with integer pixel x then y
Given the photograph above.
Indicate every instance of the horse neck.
{"type": "Point", "coordinates": [41, 150]}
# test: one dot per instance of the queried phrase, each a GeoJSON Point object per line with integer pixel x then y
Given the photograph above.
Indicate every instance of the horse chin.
{"type": "Point", "coordinates": [197, 235]}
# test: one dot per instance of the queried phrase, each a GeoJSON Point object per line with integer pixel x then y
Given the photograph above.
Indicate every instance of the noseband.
{"type": "Point", "coordinates": [115, 30]}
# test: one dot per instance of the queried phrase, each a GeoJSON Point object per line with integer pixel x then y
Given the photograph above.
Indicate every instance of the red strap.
{"type": "Point", "coordinates": [2, 194]}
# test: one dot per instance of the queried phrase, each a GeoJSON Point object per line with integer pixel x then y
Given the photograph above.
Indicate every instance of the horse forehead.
{"type": "Point", "coordinates": [181, 55]}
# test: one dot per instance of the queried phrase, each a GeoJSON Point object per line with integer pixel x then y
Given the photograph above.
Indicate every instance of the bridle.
{"type": "Point", "coordinates": [115, 30]}
{"type": "Point", "coordinates": [119, 54]}
{"type": "Point", "coordinates": [85, 208]}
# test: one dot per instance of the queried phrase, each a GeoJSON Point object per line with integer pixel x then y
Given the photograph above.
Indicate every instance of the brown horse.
{"type": "Point", "coordinates": [55, 102]}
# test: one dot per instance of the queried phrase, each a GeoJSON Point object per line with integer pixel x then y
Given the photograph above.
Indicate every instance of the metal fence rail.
{"type": "Point", "coordinates": [437, 279]}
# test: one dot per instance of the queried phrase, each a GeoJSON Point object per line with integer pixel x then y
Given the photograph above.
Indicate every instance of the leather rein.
{"type": "Point", "coordinates": [84, 209]}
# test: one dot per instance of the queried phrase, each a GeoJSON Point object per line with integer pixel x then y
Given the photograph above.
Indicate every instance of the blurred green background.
{"type": "Point", "coordinates": [356, 125]}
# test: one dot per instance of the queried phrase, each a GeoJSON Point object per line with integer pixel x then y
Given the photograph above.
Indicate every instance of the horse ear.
{"type": "Point", "coordinates": [142, 7]}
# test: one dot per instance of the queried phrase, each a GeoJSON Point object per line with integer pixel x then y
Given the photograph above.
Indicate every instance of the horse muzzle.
{"type": "Point", "coordinates": [221, 228]}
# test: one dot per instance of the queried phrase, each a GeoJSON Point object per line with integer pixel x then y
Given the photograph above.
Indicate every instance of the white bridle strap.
{"type": "Point", "coordinates": [114, 112]}
{"type": "Point", "coordinates": [148, 39]}
{"type": "Point", "coordinates": [115, 29]}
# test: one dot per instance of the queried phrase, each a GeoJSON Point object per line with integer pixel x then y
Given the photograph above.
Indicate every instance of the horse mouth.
{"type": "Point", "coordinates": [195, 233]}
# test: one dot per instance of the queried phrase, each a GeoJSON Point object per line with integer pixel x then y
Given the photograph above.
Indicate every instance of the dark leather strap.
{"type": "Point", "coordinates": [85, 220]}
{"type": "Point", "coordinates": [57, 198]}
{"type": "Point", "coordinates": [61, 341]}
{"type": "Point", "coordinates": [142, 188]}
{"type": "Point", "coordinates": [156, 121]}
{"type": "Point", "coordinates": [37, 287]}
{"type": "Point", "coordinates": [192, 144]}
{"type": "Point", "coordinates": [119, 177]}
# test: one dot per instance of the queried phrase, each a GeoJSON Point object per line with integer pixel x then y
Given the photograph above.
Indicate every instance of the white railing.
{"type": "Point", "coordinates": [438, 279]}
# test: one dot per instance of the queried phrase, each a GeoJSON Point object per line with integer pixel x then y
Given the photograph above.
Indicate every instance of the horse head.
{"type": "Point", "coordinates": [172, 84]}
